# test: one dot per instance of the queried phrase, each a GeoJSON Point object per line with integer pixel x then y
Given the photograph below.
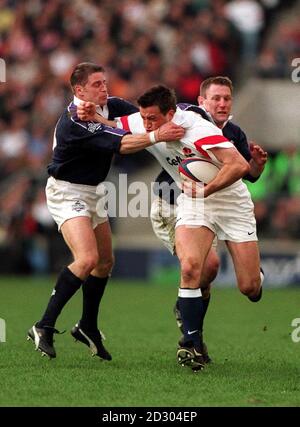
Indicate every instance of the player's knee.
{"type": "Point", "coordinates": [250, 287]}
{"type": "Point", "coordinates": [190, 269]}
{"type": "Point", "coordinates": [87, 263]}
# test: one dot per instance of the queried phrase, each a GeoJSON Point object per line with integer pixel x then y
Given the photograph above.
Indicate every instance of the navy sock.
{"type": "Point", "coordinates": [191, 309]}
{"type": "Point", "coordinates": [66, 286]}
{"type": "Point", "coordinates": [93, 290]}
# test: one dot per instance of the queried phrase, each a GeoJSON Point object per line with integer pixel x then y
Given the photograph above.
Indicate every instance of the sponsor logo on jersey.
{"type": "Point", "coordinates": [174, 161]}
{"type": "Point", "coordinates": [187, 151]}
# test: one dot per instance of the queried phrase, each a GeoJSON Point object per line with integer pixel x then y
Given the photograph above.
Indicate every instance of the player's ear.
{"type": "Point", "coordinates": [170, 114]}
{"type": "Point", "coordinates": [200, 100]}
{"type": "Point", "coordinates": [78, 90]}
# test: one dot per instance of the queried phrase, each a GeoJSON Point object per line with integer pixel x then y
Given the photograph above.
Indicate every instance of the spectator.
{"type": "Point", "coordinates": [248, 18]}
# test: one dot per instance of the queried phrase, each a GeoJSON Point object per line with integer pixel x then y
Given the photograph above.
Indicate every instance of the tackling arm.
{"type": "Point", "coordinates": [167, 132]}
{"type": "Point", "coordinates": [132, 143]}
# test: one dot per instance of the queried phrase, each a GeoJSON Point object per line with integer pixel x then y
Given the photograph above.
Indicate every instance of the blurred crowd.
{"type": "Point", "coordinates": [276, 195]}
{"type": "Point", "coordinates": [140, 43]}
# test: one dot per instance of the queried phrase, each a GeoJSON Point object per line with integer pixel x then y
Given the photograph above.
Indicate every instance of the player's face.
{"type": "Point", "coordinates": [218, 102]}
{"type": "Point", "coordinates": [95, 89]}
{"type": "Point", "coordinates": [153, 118]}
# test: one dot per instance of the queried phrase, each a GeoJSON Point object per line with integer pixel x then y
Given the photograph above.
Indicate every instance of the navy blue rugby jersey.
{"type": "Point", "coordinates": [118, 107]}
{"type": "Point", "coordinates": [83, 151]}
{"type": "Point", "coordinates": [231, 131]}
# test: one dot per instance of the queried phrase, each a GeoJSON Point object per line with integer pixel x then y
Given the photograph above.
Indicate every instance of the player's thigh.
{"type": "Point", "coordinates": [246, 260]}
{"type": "Point", "coordinates": [193, 242]}
{"type": "Point", "coordinates": [104, 242]}
{"type": "Point", "coordinates": [79, 235]}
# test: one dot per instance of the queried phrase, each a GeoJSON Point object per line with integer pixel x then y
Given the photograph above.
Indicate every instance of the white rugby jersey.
{"type": "Point", "coordinates": [200, 136]}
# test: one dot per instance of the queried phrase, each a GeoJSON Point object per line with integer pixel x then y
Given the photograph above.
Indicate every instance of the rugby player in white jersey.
{"type": "Point", "coordinates": [226, 209]}
{"type": "Point", "coordinates": [215, 103]}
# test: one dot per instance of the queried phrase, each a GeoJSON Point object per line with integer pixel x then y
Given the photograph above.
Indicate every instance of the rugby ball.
{"type": "Point", "coordinates": [198, 169]}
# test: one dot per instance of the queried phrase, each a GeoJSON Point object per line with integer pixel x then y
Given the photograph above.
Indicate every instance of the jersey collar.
{"type": "Point", "coordinates": [211, 118]}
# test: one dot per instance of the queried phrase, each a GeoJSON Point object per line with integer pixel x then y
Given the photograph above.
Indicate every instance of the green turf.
{"type": "Point", "coordinates": [255, 362]}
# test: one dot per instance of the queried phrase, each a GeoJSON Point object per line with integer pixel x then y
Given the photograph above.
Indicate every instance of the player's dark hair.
{"type": "Point", "coordinates": [218, 80]}
{"type": "Point", "coordinates": [82, 71]}
{"type": "Point", "coordinates": [162, 96]}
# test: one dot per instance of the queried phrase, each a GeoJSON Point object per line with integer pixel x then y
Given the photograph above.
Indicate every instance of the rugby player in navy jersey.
{"type": "Point", "coordinates": [82, 155]}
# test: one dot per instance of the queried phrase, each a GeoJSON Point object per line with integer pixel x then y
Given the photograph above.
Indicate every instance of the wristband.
{"type": "Point", "coordinates": [152, 137]}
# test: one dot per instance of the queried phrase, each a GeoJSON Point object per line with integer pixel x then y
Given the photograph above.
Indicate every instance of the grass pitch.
{"type": "Point", "coordinates": [255, 361]}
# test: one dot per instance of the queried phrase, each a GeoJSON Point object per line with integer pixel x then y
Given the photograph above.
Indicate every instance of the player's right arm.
{"type": "Point", "coordinates": [167, 132]}
{"type": "Point", "coordinates": [234, 167]}
{"type": "Point", "coordinates": [210, 142]}
{"type": "Point", "coordinates": [130, 143]}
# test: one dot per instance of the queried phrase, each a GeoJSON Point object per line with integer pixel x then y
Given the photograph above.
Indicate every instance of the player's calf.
{"type": "Point", "coordinates": [252, 287]}
{"type": "Point", "coordinates": [258, 296]}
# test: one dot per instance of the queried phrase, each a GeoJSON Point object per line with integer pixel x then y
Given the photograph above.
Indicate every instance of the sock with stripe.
{"type": "Point", "coordinates": [191, 309]}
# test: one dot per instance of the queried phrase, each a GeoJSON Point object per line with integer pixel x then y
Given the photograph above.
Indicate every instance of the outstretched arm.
{"type": "Point", "coordinates": [167, 132]}
{"type": "Point", "coordinates": [132, 143]}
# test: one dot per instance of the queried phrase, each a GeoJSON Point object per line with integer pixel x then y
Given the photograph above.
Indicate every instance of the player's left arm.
{"type": "Point", "coordinates": [252, 152]}
{"type": "Point", "coordinates": [234, 167]}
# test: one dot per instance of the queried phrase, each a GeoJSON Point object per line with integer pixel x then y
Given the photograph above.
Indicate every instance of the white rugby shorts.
{"type": "Point", "coordinates": [229, 220]}
{"type": "Point", "coordinates": [163, 219]}
{"type": "Point", "coordinates": [66, 200]}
